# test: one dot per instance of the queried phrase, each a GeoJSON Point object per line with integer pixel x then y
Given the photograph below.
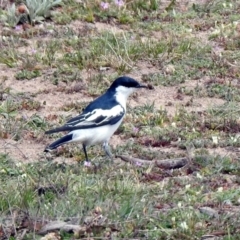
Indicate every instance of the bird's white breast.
{"type": "Point", "coordinates": [95, 135]}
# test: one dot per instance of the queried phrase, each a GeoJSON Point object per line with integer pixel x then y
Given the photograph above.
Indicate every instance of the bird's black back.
{"type": "Point", "coordinates": [105, 102]}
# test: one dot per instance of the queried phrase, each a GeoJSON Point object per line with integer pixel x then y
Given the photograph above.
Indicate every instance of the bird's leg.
{"type": "Point", "coordinates": [85, 152]}
{"type": "Point", "coordinates": [107, 150]}
{"type": "Point", "coordinates": [87, 163]}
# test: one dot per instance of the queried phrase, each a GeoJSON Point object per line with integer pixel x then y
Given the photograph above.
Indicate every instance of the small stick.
{"type": "Point", "coordinates": [171, 163]}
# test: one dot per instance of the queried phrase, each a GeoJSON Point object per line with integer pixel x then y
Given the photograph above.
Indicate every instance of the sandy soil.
{"type": "Point", "coordinates": [54, 98]}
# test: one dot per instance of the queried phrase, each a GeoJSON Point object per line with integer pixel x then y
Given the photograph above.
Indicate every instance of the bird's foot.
{"type": "Point", "coordinates": [87, 164]}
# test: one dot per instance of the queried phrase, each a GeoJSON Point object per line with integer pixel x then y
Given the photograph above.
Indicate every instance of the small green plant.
{"type": "Point", "coordinates": [117, 50]}
{"type": "Point", "coordinates": [36, 122]}
{"type": "Point", "coordinates": [8, 56]}
{"type": "Point", "coordinates": [141, 5]}
{"type": "Point", "coordinates": [76, 59]}
{"type": "Point", "coordinates": [37, 11]}
{"type": "Point", "coordinates": [30, 60]}
{"type": "Point", "coordinates": [8, 112]}
{"type": "Point", "coordinates": [40, 9]}
{"type": "Point", "coordinates": [50, 51]}
{"type": "Point", "coordinates": [224, 30]}
{"type": "Point", "coordinates": [26, 74]}
{"type": "Point", "coordinates": [12, 18]}
{"type": "Point", "coordinates": [62, 18]}
{"type": "Point", "coordinates": [214, 7]}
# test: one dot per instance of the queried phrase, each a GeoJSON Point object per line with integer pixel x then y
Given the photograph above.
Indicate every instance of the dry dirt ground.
{"type": "Point", "coordinates": [27, 149]}
{"type": "Point", "coordinates": [32, 150]}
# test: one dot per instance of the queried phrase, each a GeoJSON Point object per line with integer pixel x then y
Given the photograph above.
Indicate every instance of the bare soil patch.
{"type": "Point", "coordinates": [52, 98]}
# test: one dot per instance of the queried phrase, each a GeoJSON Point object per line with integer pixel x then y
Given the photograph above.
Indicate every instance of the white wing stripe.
{"type": "Point", "coordinates": [108, 113]}
{"type": "Point", "coordinates": [92, 117]}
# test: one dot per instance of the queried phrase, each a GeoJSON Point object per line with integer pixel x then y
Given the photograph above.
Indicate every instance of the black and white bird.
{"type": "Point", "coordinates": [100, 119]}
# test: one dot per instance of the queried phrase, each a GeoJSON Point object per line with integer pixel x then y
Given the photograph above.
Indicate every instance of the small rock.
{"type": "Point", "coordinates": [169, 69]}
{"type": "Point", "coordinates": [209, 211]}
{"type": "Point", "coordinates": [227, 202]}
{"type": "Point", "coordinates": [51, 236]}
{"type": "Point", "coordinates": [199, 225]}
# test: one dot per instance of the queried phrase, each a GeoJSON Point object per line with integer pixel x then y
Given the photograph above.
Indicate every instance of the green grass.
{"type": "Point", "coordinates": [189, 50]}
{"type": "Point", "coordinates": [120, 193]}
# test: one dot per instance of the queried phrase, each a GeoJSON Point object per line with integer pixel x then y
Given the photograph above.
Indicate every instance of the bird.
{"type": "Point", "coordinates": [100, 119]}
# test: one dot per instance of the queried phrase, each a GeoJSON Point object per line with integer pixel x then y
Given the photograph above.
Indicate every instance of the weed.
{"type": "Point", "coordinates": [66, 74]}
{"type": "Point", "coordinates": [62, 18]}
{"type": "Point", "coordinates": [25, 74]}
{"type": "Point", "coordinates": [50, 51]}
{"type": "Point", "coordinates": [39, 10]}
{"type": "Point", "coordinates": [9, 57]}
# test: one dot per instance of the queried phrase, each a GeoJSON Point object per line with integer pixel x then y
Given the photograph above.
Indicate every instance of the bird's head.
{"type": "Point", "coordinates": [124, 86]}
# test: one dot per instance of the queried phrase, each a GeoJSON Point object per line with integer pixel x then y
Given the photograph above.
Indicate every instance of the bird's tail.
{"type": "Point", "coordinates": [59, 142]}
{"type": "Point", "coordinates": [59, 129]}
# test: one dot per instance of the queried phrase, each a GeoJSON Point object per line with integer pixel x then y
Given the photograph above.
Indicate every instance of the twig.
{"type": "Point", "coordinates": [22, 235]}
{"type": "Point", "coordinates": [63, 226]}
{"type": "Point", "coordinates": [165, 163]}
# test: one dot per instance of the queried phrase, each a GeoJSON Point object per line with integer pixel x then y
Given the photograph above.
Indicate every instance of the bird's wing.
{"type": "Point", "coordinates": [95, 118]}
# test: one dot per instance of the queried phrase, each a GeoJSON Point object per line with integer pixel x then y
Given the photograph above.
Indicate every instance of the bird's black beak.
{"type": "Point", "coordinates": [149, 86]}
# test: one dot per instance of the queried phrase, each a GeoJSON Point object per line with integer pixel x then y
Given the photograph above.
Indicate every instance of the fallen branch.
{"type": "Point", "coordinates": [165, 163]}
{"type": "Point", "coordinates": [62, 226]}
